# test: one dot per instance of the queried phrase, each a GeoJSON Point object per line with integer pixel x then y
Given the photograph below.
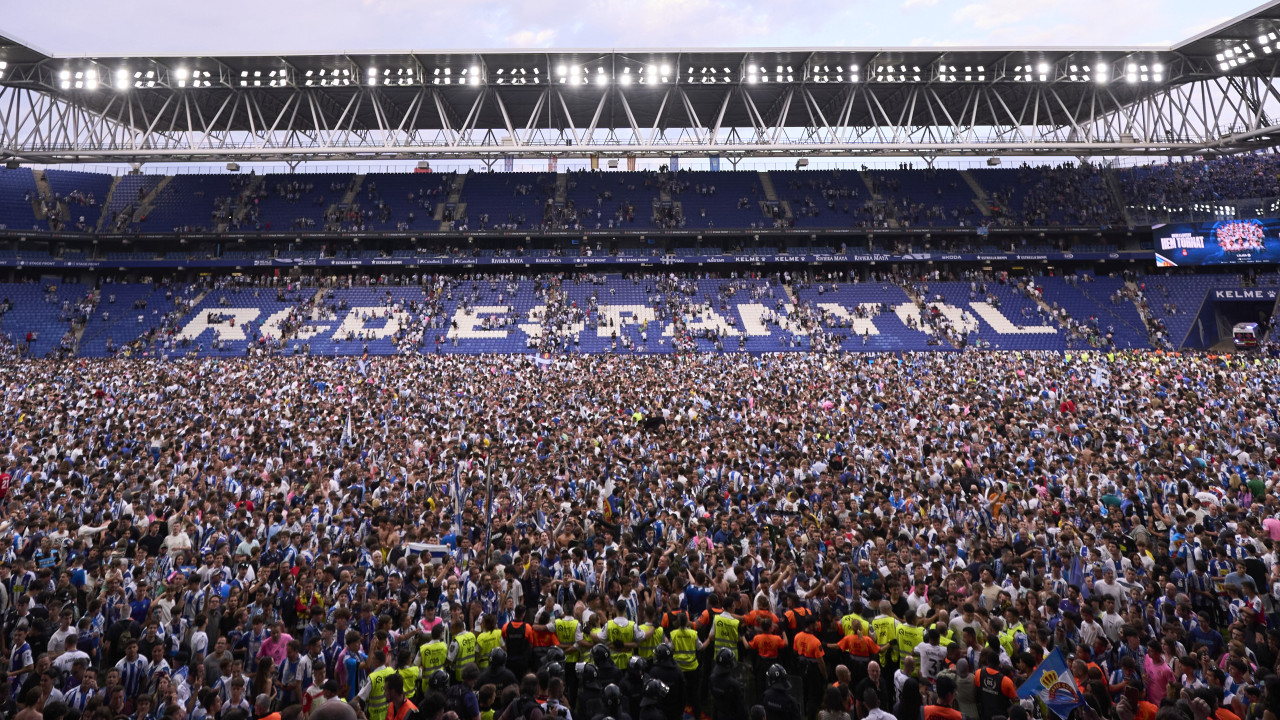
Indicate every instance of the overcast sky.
{"type": "Point", "coordinates": [195, 27]}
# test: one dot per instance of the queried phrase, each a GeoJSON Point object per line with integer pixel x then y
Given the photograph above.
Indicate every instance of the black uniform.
{"type": "Point", "coordinates": [590, 699]}
{"type": "Point", "coordinates": [609, 674]}
{"type": "Point", "coordinates": [632, 687]}
{"type": "Point", "coordinates": [670, 675]}
{"type": "Point", "coordinates": [779, 705]}
{"type": "Point", "coordinates": [728, 697]}
{"type": "Point", "coordinates": [991, 698]}
{"type": "Point", "coordinates": [498, 676]}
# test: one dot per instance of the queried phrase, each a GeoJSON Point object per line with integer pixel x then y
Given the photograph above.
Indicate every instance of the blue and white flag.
{"type": "Point", "coordinates": [347, 434]}
{"type": "Point", "coordinates": [1052, 684]}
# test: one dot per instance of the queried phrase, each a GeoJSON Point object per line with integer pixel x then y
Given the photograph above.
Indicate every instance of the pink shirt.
{"type": "Point", "coordinates": [1272, 526]}
{"type": "Point", "coordinates": [1158, 677]}
{"type": "Point", "coordinates": [276, 650]}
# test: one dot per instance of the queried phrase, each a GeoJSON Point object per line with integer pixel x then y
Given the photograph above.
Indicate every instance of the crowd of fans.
{"type": "Point", "coordinates": [1065, 195]}
{"type": "Point", "coordinates": [898, 536]}
{"type": "Point", "coordinates": [1233, 177]}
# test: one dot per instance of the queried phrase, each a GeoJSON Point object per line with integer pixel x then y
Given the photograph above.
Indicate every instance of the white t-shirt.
{"type": "Point", "coordinates": [933, 660]}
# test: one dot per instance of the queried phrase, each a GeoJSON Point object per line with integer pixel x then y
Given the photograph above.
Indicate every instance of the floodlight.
{"type": "Point", "coordinates": [65, 75]}
{"type": "Point", "coordinates": [626, 80]}
{"type": "Point", "coordinates": [475, 70]}
{"type": "Point", "coordinates": [66, 84]}
{"type": "Point", "coordinates": [666, 70]}
{"type": "Point", "coordinates": [180, 73]}
{"type": "Point", "coordinates": [751, 79]}
{"type": "Point", "coordinates": [1157, 68]}
{"type": "Point", "coordinates": [1043, 68]}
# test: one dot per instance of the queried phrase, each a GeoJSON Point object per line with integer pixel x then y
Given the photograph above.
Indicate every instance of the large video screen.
{"type": "Point", "coordinates": [1225, 242]}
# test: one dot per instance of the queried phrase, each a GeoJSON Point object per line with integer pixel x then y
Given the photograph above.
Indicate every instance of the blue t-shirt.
{"type": "Point", "coordinates": [695, 598]}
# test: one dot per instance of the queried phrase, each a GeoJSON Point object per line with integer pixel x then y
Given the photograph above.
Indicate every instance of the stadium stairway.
{"type": "Point", "coordinates": [42, 183]}
{"type": "Point", "coordinates": [891, 333]}
{"type": "Point", "coordinates": [242, 203]}
{"type": "Point", "coordinates": [455, 199]}
{"type": "Point", "coordinates": [1081, 303]}
{"type": "Point", "coordinates": [149, 201]}
{"type": "Point", "coordinates": [1176, 301]}
{"type": "Point", "coordinates": [562, 188]}
{"type": "Point", "coordinates": [981, 199]}
{"type": "Point", "coordinates": [106, 203]}
{"type": "Point", "coordinates": [1004, 318]}
{"type": "Point", "coordinates": [865, 176]}
{"type": "Point", "coordinates": [1117, 195]}
{"type": "Point", "coordinates": [357, 182]}
{"type": "Point", "coordinates": [39, 311]}
{"type": "Point", "coordinates": [766, 185]}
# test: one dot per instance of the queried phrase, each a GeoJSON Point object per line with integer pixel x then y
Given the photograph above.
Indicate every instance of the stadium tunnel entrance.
{"type": "Point", "coordinates": [1222, 309]}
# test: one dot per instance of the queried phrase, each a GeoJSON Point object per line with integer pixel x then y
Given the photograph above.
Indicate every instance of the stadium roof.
{"type": "Point", "coordinates": [1212, 93]}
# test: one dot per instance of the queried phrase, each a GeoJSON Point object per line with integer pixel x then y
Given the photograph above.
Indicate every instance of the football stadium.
{"type": "Point", "coordinates": [838, 383]}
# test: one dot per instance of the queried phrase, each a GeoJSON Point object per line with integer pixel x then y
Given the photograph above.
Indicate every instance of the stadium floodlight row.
{"type": "Point", "coordinates": [1214, 93]}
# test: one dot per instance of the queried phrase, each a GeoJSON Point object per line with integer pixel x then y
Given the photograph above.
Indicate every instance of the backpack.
{"type": "Point", "coordinates": [455, 700]}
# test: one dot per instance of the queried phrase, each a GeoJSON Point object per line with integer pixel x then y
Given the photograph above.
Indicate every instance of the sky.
{"type": "Point", "coordinates": [147, 27]}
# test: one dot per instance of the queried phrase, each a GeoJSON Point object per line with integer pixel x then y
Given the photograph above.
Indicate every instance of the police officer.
{"type": "Point", "coordinates": [613, 704]}
{"type": "Point", "coordinates": [664, 668]}
{"type": "Point", "coordinates": [498, 674]}
{"type": "Point", "coordinates": [778, 702]}
{"type": "Point", "coordinates": [652, 707]}
{"type": "Point", "coordinates": [728, 697]}
{"type": "Point", "coordinates": [608, 672]}
{"type": "Point", "coordinates": [433, 698]}
{"type": "Point", "coordinates": [590, 692]}
{"type": "Point", "coordinates": [632, 684]}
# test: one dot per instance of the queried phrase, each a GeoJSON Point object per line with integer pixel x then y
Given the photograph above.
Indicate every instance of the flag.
{"type": "Point", "coordinates": [1052, 684]}
{"type": "Point", "coordinates": [456, 492]}
{"type": "Point", "coordinates": [347, 435]}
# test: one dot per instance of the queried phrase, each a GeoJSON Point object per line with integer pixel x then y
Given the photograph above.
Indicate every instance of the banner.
{"type": "Point", "coordinates": [1052, 684]}
{"type": "Point", "coordinates": [551, 164]}
{"type": "Point", "coordinates": [1224, 242]}
{"type": "Point", "coordinates": [607, 259]}
{"type": "Point", "coordinates": [675, 163]}
{"type": "Point", "coordinates": [631, 163]}
{"type": "Point", "coordinates": [715, 163]}
{"type": "Point", "coordinates": [508, 163]}
{"type": "Point", "coordinates": [595, 162]}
